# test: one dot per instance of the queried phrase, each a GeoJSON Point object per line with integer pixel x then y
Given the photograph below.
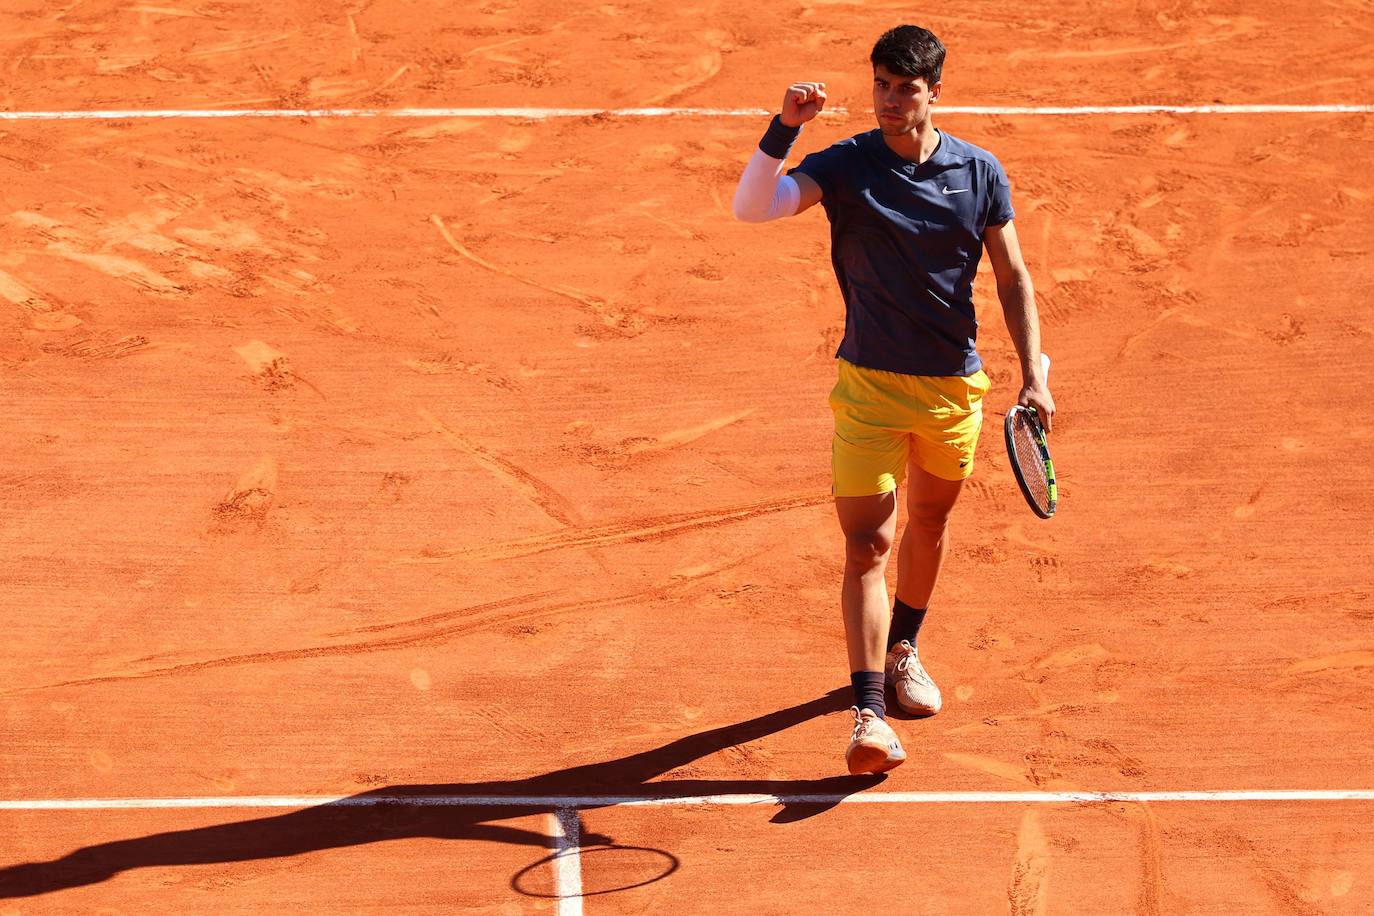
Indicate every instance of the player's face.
{"type": "Point", "coordinates": [901, 103]}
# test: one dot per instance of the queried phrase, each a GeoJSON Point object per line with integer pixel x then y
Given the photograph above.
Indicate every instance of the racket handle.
{"type": "Point", "coordinates": [1045, 365]}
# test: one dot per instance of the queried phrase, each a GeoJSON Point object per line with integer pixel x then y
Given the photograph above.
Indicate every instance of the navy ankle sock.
{"type": "Point", "coordinates": [906, 623]}
{"type": "Point", "coordinates": [868, 691]}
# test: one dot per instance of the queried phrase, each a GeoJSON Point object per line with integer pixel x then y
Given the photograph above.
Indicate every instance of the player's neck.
{"type": "Point", "coordinates": [916, 146]}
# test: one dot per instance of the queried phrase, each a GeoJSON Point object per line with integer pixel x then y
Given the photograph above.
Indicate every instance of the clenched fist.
{"type": "Point", "coordinates": [802, 102]}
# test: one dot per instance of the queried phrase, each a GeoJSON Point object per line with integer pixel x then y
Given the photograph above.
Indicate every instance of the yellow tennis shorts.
{"type": "Point", "coordinates": [883, 419]}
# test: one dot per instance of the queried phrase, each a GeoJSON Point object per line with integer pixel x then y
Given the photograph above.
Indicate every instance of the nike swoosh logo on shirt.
{"type": "Point", "coordinates": [948, 190]}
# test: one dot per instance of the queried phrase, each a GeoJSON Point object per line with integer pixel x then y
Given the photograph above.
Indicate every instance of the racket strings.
{"type": "Point", "coordinates": [1030, 459]}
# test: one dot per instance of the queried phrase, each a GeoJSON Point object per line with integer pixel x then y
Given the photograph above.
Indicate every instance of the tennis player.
{"type": "Point", "coordinates": [911, 209]}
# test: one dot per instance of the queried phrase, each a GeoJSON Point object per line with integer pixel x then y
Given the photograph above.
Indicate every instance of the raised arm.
{"type": "Point", "coordinates": [1017, 295]}
{"type": "Point", "coordinates": [764, 192]}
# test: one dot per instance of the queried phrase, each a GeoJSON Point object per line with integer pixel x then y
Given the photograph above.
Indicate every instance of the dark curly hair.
{"type": "Point", "coordinates": [910, 51]}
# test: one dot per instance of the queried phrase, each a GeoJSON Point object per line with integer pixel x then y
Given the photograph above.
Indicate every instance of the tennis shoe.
{"type": "Point", "coordinates": [873, 748]}
{"type": "Point", "coordinates": [916, 692]}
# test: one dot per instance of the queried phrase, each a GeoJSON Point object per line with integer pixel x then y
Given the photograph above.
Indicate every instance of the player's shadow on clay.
{"type": "Point", "coordinates": [354, 821]}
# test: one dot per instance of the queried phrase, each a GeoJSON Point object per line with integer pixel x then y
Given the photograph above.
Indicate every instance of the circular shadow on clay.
{"type": "Point", "coordinates": [656, 863]}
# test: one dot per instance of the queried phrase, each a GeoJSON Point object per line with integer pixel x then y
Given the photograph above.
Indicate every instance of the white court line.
{"type": "Point", "coordinates": [567, 861]}
{"type": "Point", "coordinates": [1156, 109]}
{"type": "Point", "coordinates": [572, 802]}
{"type": "Point", "coordinates": [543, 113]}
{"type": "Point", "coordinates": [535, 113]}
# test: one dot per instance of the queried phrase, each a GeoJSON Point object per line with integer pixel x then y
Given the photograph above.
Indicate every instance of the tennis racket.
{"type": "Point", "coordinates": [1030, 456]}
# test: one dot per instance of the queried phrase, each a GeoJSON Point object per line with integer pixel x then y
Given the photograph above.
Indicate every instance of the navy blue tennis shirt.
{"type": "Point", "coordinates": [905, 240]}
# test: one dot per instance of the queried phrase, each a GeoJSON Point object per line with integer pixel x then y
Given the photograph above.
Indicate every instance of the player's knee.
{"type": "Point", "coordinates": [866, 551]}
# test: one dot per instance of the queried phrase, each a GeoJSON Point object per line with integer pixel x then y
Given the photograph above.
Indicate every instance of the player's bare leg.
{"type": "Point", "coordinates": [925, 542]}
{"type": "Point", "coordinates": [869, 524]}
{"type": "Point", "coordinates": [922, 551]}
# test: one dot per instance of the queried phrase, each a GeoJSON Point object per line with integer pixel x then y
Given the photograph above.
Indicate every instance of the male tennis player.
{"type": "Point", "coordinates": [911, 209]}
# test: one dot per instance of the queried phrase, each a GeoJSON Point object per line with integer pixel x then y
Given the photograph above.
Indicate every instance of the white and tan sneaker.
{"type": "Point", "coordinates": [873, 748]}
{"type": "Point", "coordinates": [916, 692]}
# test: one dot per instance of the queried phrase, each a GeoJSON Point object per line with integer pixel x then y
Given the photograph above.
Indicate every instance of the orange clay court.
{"type": "Point", "coordinates": [474, 469]}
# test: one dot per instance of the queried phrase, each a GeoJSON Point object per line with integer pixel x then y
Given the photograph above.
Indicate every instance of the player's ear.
{"type": "Point", "coordinates": [935, 92]}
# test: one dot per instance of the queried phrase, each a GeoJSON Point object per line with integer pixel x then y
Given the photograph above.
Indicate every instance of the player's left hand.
{"type": "Point", "coordinates": [1037, 394]}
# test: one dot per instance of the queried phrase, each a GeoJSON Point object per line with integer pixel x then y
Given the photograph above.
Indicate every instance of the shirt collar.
{"type": "Point", "coordinates": [941, 156]}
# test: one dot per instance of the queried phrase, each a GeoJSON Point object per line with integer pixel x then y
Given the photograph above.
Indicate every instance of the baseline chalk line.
{"type": "Point", "coordinates": [572, 803]}
{"type": "Point", "coordinates": [545, 113]}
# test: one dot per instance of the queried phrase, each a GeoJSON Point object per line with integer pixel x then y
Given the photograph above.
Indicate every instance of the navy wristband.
{"type": "Point", "coordinates": [778, 139]}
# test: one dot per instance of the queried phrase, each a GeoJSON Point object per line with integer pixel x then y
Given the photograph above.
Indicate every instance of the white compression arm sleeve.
{"type": "Point", "coordinates": [765, 193]}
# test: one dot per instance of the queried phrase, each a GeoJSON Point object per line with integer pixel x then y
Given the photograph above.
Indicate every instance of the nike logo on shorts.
{"type": "Point", "coordinates": [948, 190]}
